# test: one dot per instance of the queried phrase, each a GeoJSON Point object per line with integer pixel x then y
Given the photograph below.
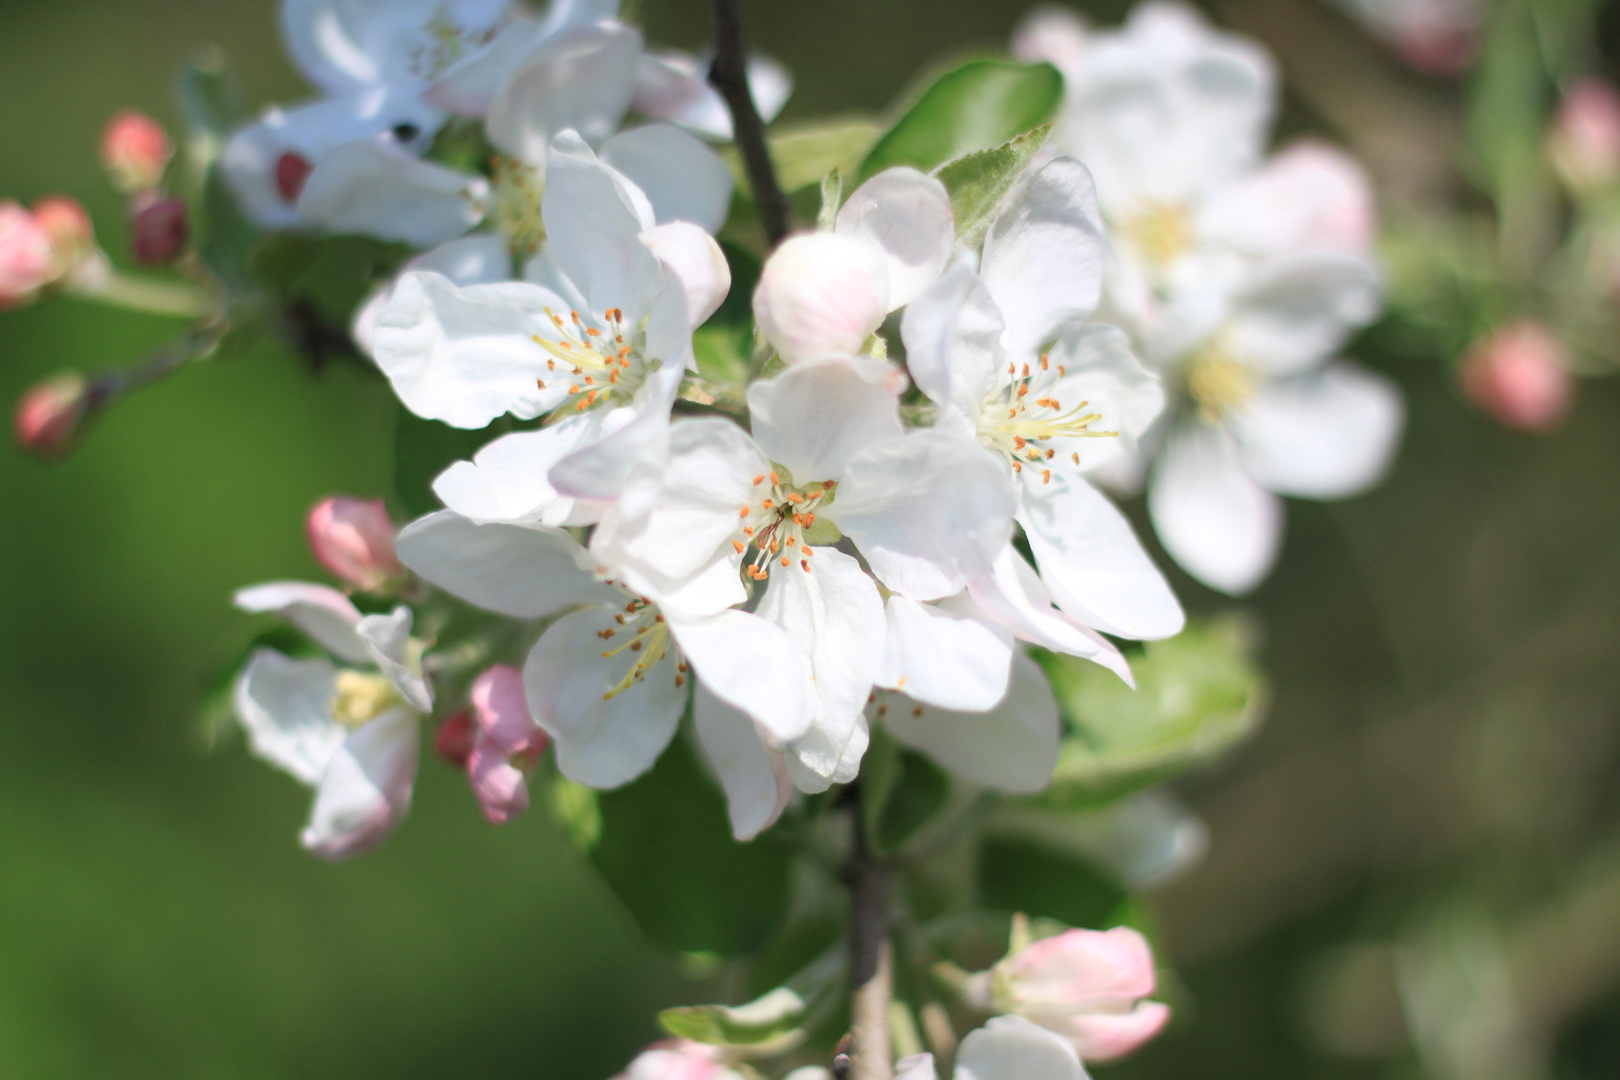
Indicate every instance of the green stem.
{"type": "Point", "coordinates": [97, 279]}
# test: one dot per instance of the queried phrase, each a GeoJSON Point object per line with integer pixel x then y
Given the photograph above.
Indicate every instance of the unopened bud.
{"type": "Point", "coordinates": [27, 258]}
{"type": "Point", "coordinates": [1519, 376]}
{"type": "Point", "coordinates": [1053, 35]}
{"type": "Point", "coordinates": [69, 228]}
{"type": "Point", "coordinates": [292, 170]}
{"type": "Point", "coordinates": [49, 415]}
{"type": "Point", "coordinates": [159, 233]}
{"type": "Point", "coordinates": [1584, 143]}
{"type": "Point", "coordinates": [454, 740]}
{"type": "Point", "coordinates": [135, 151]}
{"type": "Point", "coordinates": [354, 539]}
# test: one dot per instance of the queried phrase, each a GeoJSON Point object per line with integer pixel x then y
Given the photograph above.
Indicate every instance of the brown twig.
{"type": "Point", "coordinates": [871, 957]}
{"type": "Point", "coordinates": [729, 75]}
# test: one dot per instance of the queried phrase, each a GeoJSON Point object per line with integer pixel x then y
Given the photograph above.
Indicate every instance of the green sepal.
{"type": "Point", "coordinates": [978, 182]}
{"type": "Point", "coordinates": [832, 197]}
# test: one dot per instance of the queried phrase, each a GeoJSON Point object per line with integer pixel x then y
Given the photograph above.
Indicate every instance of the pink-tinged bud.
{"type": "Point", "coordinates": [48, 416]}
{"type": "Point", "coordinates": [1085, 985]}
{"type": "Point", "coordinates": [507, 745]}
{"type": "Point", "coordinates": [679, 1059]}
{"type": "Point", "coordinates": [135, 150]}
{"type": "Point", "coordinates": [292, 170]}
{"type": "Point", "coordinates": [1445, 50]}
{"type": "Point", "coordinates": [1584, 143]}
{"type": "Point", "coordinates": [1519, 375]}
{"type": "Point", "coordinates": [454, 740]}
{"type": "Point", "coordinates": [821, 294]}
{"type": "Point", "coordinates": [1054, 35]}
{"type": "Point", "coordinates": [160, 232]}
{"type": "Point", "coordinates": [354, 539]}
{"type": "Point", "coordinates": [68, 226]}
{"type": "Point", "coordinates": [27, 257]}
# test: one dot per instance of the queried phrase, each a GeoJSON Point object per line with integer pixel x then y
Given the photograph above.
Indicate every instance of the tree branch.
{"type": "Point", "coordinates": [729, 75]}
{"type": "Point", "coordinates": [871, 958]}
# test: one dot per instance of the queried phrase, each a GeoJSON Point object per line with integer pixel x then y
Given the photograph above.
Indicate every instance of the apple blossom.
{"type": "Point", "coordinates": [680, 1059]}
{"type": "Point", "coordinates": [1085, 985]}
{"type": "Point", "coordinates": [1007, 1048]}
{"type": "Point", "coordinates": [1438, 37]}
{"type": "Point", "coordinates": [27, 259]}
{"type": "Point", "coordinates": [135, 150]}
{"type": "Point", "coordinates": [505, 746]}
{"type": "Point", "coordinates": [1520, 376]}
{"type": "Point", "coordinates": [824, 294]}
{"type": "Point", "coordinates": [49, 415]}
{"type": "Point", "coordinates": [354, 540]}
{"type": "Point", "coordinates": [68, 225]}
{"type": "Point", "coordinates": [350, 732]}
{"type": "Point", "coordinates": [1584, 143]}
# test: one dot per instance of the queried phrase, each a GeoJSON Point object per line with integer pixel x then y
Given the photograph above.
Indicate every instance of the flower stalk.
{"type": "Point", "coordinates": [871, 956]}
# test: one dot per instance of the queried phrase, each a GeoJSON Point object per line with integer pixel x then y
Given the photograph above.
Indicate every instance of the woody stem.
{"type": "Point", "coordinates": [729, 75]}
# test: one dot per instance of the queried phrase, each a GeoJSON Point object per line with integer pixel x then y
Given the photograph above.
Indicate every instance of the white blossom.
{"type": "Point", "coordinates": [1007, 1048]}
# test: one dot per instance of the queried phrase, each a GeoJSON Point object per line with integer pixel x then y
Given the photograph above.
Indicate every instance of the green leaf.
{"type": "Point", "coordinates": [1198, 694]}
{"type": "Point", "coordinates": [1017, 875]}
{"type": "Point", "coordinates": [425, 448]}
{"type": "Point", "coordinates": [804, 153]}
{"type": "Point", "coordinates": [832, 196]}
{"type": "Point", "coordinates": [576, 809]}
{"type": "Point", "coordinates": [978, 182]}
{"type": "Point", "coordinates": [977, 106]}
{"type": "Point", "coordinates": [667, 853]}
{"type": "Point", "coordinates": [769, 1018]}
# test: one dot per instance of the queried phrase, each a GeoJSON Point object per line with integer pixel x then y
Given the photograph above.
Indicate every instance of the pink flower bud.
{"type": "Point", "coordinates": [68, 226]}
{"type": "Point", "coordinates": [1584, 143]}
{"type": "Point", "coordinates": [507, 745]}
{"type": "Point", "coordinates": [48, 416]}
{"type": "Point", "coordinates": [27, 257]}
{"type": "Point", "coordinates": [354, 539]}
{"type": "Point", "coordinates": [1055, 35]}
{"type": "Point", "coordinates": [291, 172]}
{"type": "Point", "coordinates": [159, 233]}
{"type": "Point", "coordinates": [135, 151]}
{"type": "Point", "coordinates": [679, 1059]}
{"type": "Point", "coordinates": [454, 740]}
{"type": "Point", "coordinates": [1520, 376]}
{"type": "Point", "coordinates": [821, 294]}
{"type": "Point", "coordinates": [1085, 985]}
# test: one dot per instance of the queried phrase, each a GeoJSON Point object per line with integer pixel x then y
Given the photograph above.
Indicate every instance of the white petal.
{"type": "Point", "coordinates": [1295, 310]}
{"type": "Point", "coordinates": [467, 355]}
{"type": "Point", "coordinates": [508, 479]}
{"type": "Point", "coordinates": [908, 216]}
{"type": "Point", "coordinates": [1012, 748]}
{"type": "Point", "coordinates": [468, 260]}
{"type": "Point", "coordinates": [952, 333]}
{"type": "Point", "coordinates": [388, 639]}
{"type": "Point", "coordinates": [929, 512]}
{"type": "Point", "coordinates": [468, 87]}
{"type": "Point", "coordinates": [527, 572]}
{"type": "Point", "coordinates": [375, 189]}
{"type": "Point", "coordinates": [366, 789]}
{"type": "Point", "coordinates": [817, 415]}
{"type": "Point", "coordinates": [915, 1067]}
{"type": "Point", "coordinates": [594, 219]}
{"type": "Point", "coordinates": [696, 262]}
{"type": "Point", "coordinates": [673, 86]}
{"type": "Point", "coordinates": [1222, 527]}
{"type": "Point", "coordinates": [342, 46]}
{"type": "Point", "coordinates": [1102, 370]}
{"type": "Point", "coordinates": [1013, 596]}
{"type": "Point", "coordinates": [1092, 562]}
{"type": "Point", "coordinates": [682, 178]}
{"type": "Point", "coordinates": [286, 708]}
{"type": "Point", "coordinates": [600, 470]}
{"type": "Point", "coordinates": [681, 502]}
{"type": "Point", "coordinates": [751, 664]}
{"type": "Point", "coordinates": [834, 615]}
{"type": "Point", "coordinates": [817, 762]}
{"type": "Point", "coordinates": [942, 658]}
{"type": "Point", "coordinates": [318, 610]}
{"type": "Point", "coordinates": [821, 294]}
{"type": "Point", "coordinates": [1011, 1047]}
{"type": "Point", "coordinates": [754, 776]}
{"type": "Point", "coordinates": [601, 741]}
{"type": "Point", "coordinates": [1043, 257]}
{"type": "Point", "coordinates": [583, 78]}
{"type": "Point", "coordinates": [1323, 435]}
{"type": "Point", "coordinates": [1310, 195]}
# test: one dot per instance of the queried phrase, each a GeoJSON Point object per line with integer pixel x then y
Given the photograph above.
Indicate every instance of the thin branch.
{"type": "Point", "coordinates": [871, 957]}
{"type": "Point", "coordinates": [729, 75]}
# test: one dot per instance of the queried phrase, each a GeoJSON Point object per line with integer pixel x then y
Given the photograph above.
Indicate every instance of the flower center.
{"type": "Point", "coordinates": [779, 522]}
{"type": "Point", "coordinates": [1020, 419]}
{"type": "Point", "coordinates": [600, 365]}
{"type": "Point", "coordinates": [1218, 382]}
{"type": "Point", "coordinates": [362, 696]}
{"type": "Point", "coordinates": [647, 641]}
{"type": "Point", "coordinates": [445, 43]}
{"type": "Point", "coordinates": [514, 209]}
{"type": "Point", "coordinates": [1161, 233]}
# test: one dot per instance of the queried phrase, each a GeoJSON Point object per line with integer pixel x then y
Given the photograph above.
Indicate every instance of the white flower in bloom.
{"type": "Point", "coordinates": [674, 86]}
{"type": "Point", "coordinates": [824, 294]}
{"type": "Point", "coordinates": [1007, 1048]}
{"type": "Point", "coordinates": [349, 732]}
{"type": "Point", "coordinates": [601, 346]}
{"type": "Point", "coordinates": [608, 680]}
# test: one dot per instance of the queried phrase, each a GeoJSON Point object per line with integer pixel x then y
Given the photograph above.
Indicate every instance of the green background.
{"type": "Point", "coordinates": [1444, 653]}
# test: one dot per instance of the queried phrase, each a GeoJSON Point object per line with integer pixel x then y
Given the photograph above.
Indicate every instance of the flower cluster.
{"type": "Point", "coordinates": [1238, 275]}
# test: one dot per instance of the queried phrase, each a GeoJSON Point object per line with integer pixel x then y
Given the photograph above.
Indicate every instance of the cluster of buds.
{"type": "Point", "coordinates": [40, 247]}
{"type": "Point", "coordinates": [135, 151]}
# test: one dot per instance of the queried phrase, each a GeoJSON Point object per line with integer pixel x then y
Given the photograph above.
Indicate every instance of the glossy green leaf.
{"type": "Point", "coordinates": [805, 153]}
{"type": "Point", "coordinates": [1198, 694]}
{"type": "Point", "coordinates": [978, 182]}
{"type": "Point", "coordinates": [666, 851]}
{"type": "Point", "coordinates": [977, 106]}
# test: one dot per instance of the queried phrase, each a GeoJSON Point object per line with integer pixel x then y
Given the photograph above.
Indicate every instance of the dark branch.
{"type": "Point", "coordinates": [871, 963]}
{"type": "Point", "coordinates": [729, 75]}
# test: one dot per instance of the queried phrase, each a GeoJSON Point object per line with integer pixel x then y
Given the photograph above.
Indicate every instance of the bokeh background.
{"type": "Point", "coordinates": [1429, 820]}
